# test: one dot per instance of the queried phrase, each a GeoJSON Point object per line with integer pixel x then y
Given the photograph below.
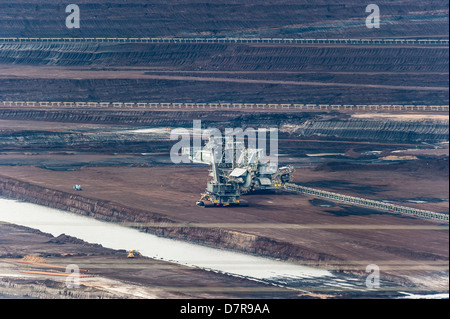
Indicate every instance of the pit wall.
{"type": "Point", "coordinates": [114, 212]}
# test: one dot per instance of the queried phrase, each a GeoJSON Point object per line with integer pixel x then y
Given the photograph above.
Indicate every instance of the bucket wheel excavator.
{"type": "Point", "coordinates": [235, 171]}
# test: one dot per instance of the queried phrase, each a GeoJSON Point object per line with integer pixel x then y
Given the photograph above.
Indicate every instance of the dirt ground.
{"type": "Point", "coordinates": [385, 157]}
{"type": "Point", "coordinates": [349, 237]}
{"type": "Point", "coordinates": [355, 235]}
{"type": "Point", "coordinates": [284, 18]}
{"type": "Point", "coordinates": [335, 236]}
{"type": "Point", "coordinates": [112, 274]}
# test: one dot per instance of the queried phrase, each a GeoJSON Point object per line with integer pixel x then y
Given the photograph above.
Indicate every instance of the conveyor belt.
{"type": "Point", "coordinates": [369, 203]}
{"type": "Point", "coordinates": [222, 105]}
{"type": "Point", "coordinates": [379, 41]}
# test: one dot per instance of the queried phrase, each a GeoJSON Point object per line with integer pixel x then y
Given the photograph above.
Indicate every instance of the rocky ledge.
{"type": "Point", "coordinates": [114, 212]}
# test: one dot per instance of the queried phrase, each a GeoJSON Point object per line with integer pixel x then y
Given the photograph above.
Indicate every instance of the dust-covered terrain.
{"type": "Point", "coordinates": [120, 156]}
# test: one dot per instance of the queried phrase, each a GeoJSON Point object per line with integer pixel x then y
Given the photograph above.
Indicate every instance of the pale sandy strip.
{"type": "Point", "coordinates": [289, 226]}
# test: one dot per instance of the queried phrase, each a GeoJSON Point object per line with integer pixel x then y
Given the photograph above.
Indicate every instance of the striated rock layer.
{"type": "Point", "coordinates": [113, 212]}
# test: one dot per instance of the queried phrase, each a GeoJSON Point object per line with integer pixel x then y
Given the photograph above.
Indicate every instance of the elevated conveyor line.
{"type": "Point", "coordinates": [369, 203]}
{"type": "Point", "coordinates": [350, 41]}
{"type": "Point", "coordinates": [224, 106]}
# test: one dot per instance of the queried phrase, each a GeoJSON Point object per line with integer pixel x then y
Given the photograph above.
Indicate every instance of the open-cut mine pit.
{"type": "Point", "coordinates": [86, 117]}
